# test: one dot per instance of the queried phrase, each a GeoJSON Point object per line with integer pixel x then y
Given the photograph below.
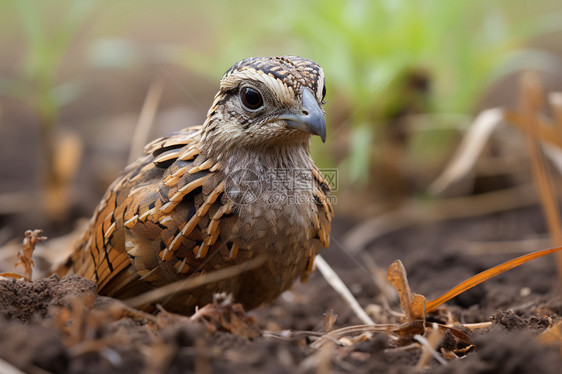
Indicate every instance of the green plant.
{"type": "Point", "coordinates": [372, 49]}
{"type": "Point", "coordinates": [376, 52]}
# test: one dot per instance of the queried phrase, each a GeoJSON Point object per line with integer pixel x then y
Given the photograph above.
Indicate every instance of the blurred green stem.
{"type": "Point", "coordinates": [46, 47]}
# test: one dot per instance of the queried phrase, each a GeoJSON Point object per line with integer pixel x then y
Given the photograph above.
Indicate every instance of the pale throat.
{"type": "Point", "coordinates": [273, 194]}
{"type": "Point", "coordinates": [277, 181]}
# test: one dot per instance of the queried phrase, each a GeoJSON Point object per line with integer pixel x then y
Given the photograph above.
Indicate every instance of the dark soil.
{"type": "Point", "coordinates": [61, 326]}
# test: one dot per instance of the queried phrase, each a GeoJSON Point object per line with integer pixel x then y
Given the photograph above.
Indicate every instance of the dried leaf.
{"type": "Point", "coordinates": [417, 308]}
{"type": "Point", "coordinates": [398, 278]}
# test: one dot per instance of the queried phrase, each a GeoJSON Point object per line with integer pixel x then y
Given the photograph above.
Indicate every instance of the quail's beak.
{"type": "Point", "coordinates": [310, 119]}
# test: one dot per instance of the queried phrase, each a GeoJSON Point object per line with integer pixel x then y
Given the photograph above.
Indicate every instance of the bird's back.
{"type": "Point", "coordinates": [132, 225]}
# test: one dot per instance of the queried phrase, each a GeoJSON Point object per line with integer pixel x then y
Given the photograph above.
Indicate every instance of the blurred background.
{"type": "Point", "coordinates": [405, 82]}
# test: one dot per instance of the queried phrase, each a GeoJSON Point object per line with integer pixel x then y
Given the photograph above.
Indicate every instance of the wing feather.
{"type": "Point", "coordinates": [147, 215]}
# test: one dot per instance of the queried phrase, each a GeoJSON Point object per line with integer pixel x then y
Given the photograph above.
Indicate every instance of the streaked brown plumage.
{"type": "Point", "coordinates": [214, 196]}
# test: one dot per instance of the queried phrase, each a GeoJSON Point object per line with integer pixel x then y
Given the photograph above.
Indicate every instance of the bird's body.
{"type": "Point", "coordinates": [239, 187]}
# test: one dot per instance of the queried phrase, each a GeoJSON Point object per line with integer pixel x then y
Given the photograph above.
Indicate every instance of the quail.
{"type": "Point", "coordinates": [240, 186]}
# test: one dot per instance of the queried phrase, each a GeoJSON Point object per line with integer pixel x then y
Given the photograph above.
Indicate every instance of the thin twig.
{"type": "Point", "coordinates": [337, 284]}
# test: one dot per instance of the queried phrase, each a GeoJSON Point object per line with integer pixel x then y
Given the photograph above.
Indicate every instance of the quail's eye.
{"type": "Point", "coordinates": [323, 92]}
{"type": "Point", "coordinates": [251, 98]}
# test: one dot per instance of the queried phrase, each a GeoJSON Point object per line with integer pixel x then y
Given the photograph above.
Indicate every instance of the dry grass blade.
{"type": "Point", "coordinates": [531, 101]}
{"type": "Point", "coordinates": [546, 130]}
{"type": "Point", "coordinates": [146, 117]}
{"type": "Point", "coordinates": [485, 275]}
{"type": "Point", "coordinates": [469, 150]}
{"type": "Point", "coordinates": [334, 335]}
{"type": "Point", "coordinates": [337, 284]}
{"type": "Point", "coordinates": [191, 283]}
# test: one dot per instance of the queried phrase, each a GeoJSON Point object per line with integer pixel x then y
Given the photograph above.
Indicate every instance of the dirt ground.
{"type": "Point", "coordinates": [61, 326]}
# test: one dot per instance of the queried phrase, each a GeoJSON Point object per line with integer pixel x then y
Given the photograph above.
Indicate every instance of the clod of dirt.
{"type": "Point", "coordinates": [511, 321]}
{"type": "Point", "coordinates": [22, 301]}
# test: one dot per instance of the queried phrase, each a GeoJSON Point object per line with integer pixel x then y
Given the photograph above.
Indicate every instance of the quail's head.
{"type": "Point", "coordinates": [267, 102]}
